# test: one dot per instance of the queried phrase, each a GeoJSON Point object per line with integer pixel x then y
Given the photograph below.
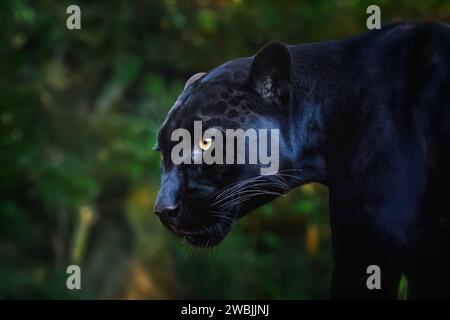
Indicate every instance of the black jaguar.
{"type": "Point", "coordinates": [368, 116]}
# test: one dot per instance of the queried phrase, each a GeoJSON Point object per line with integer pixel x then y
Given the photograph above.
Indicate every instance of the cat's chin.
{"type": "Point", "coordinates": [208, 238]}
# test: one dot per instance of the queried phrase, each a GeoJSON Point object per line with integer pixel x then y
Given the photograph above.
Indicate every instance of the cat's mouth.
{"type": "Point", "coordinates": [206, 237]}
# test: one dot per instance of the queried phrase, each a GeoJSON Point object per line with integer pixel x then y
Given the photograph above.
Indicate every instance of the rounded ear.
{"type": "Point", "coordinates": [194, 78]}
{"type": "Point", "coordinates": [270, 73]}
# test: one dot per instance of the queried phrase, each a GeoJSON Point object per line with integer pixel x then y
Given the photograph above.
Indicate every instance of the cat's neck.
{"type": "Point", "coordinates": [315, 94]}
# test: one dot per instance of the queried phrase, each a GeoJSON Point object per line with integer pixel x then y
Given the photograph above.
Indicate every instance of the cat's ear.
{"type": "Point", "coordinates": [270, 73]}
{"type": "Point", "coordinates": [192, 79]}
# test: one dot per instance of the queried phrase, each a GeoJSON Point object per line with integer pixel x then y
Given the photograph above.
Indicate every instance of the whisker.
{"type": "Point", "coordinates": [247, 197]}
{"type": "Point", "coordinates": [246, 188]}
{"type": "Point", "coordinates": [225, 219]}
{"type": "Point", "coordinates": [235, 185]}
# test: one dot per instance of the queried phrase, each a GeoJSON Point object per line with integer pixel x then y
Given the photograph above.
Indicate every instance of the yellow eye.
{"type": "Point", "coordinates": [205, 144]}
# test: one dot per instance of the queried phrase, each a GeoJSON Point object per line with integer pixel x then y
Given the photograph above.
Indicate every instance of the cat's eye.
{"type": "Point", "coordinates": [205, 144]}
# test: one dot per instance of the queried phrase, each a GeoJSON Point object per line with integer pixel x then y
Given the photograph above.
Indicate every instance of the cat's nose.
{"type": "Point", "coordinates": [167, 214]}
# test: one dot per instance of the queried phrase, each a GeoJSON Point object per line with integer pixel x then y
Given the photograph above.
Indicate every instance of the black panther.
{"type": "Point", "coordinates": [367, 116]}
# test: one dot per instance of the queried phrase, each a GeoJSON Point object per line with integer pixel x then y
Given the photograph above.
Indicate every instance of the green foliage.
{"type": "Point", "coordinates": [403, 288]}
{"type": "Point", "coordinates": [79, 112]}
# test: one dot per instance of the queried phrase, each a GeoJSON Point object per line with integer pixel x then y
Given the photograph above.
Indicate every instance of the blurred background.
{"type": "Point", "coordinates": [78, 115]}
